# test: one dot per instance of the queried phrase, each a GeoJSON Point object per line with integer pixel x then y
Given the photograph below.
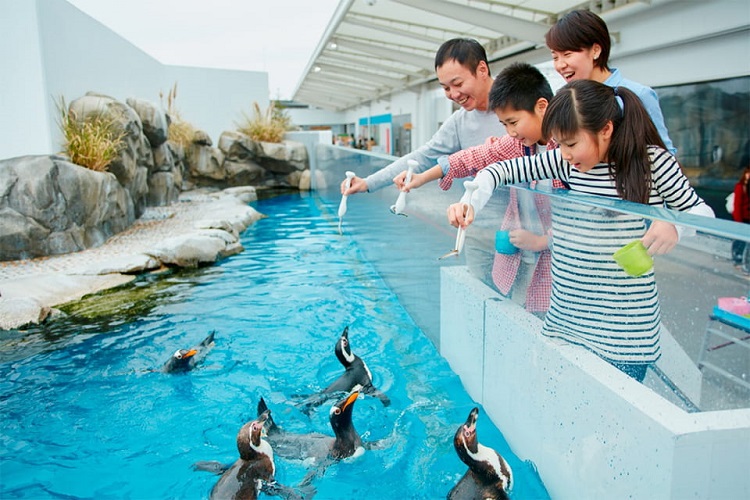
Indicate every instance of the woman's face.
{"type": "Point", "coordinates": [576, 65]}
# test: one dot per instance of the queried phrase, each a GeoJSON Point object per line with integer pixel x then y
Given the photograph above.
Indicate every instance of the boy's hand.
{"type": "Point", "coordinates": [660, 238]}
{"type": "Point", "coordinates": [357, 186]}
{"type": "Point", "coordinates": [417, 180]}
{"type": "Point", "coordinates": [460, 214]}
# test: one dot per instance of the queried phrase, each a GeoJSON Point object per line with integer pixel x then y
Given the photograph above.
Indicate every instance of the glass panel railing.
{"type": "Point", "coordinates": [691, 280]}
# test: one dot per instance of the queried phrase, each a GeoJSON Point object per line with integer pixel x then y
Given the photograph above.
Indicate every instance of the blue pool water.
{"type": "Point", "coordinates": [83, 415]}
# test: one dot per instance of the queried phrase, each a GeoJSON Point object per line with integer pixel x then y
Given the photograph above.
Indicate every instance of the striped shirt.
{"type": "Point", "coordinates": [594, 303]}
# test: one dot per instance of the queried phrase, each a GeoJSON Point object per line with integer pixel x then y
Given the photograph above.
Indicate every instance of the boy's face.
{"type": "Point", "coordinates": [470, 91]}
{"type": "Point", "coordinates": [523, 125]}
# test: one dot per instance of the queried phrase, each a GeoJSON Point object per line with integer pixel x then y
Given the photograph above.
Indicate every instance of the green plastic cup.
{"type": "Point", "coordinates": [634, 259]}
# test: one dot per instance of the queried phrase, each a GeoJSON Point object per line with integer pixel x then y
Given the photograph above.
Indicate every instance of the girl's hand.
{"type": "Point", "coordinates": [460, 214]}
{"type": "Point", "coordinates": [660, 238]}
{"type": "Point", "coordinates": [526, 240]}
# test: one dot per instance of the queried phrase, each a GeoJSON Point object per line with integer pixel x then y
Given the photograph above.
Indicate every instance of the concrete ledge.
{"type": "Point", "coordinates": [592, 431]}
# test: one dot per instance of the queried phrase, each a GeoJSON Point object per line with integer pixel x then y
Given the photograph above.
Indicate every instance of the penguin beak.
{"type": "Point", "coordinates": [471, 422]}
{"type": "Point", "coordinates": [350, 399]}
{"type": "Point", "coordinates": [190, 353]}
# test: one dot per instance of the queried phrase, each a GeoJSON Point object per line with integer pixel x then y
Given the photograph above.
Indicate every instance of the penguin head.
{"type": "Point", "coordinates": [344, 350]}
{"type": "Point", "coordinates": [180, 360]}
{"type": "Point", "coordinates": [250, 438]}
{"type": "Point", "coordinates": [341, 412]}
{"type": "Point", "coordinates": [465, 439]}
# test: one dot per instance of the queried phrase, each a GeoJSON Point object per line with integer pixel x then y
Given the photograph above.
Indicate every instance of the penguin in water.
{"type": "Point", "coordinates": [253, 472]}
{"type": "Point", "coordinates": [489, 475]}
{"type": "Point", "coordinates": [316, 447]}
{"type": "Point", "coordinates": [184, 360]}
{"type": "Point", "coordinates": [355, 374]}
{"type": "Point", "coordinates": [246, 477]}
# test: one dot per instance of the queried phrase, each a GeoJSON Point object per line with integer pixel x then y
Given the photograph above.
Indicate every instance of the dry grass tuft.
{"type": "Point", "coordinates": [92, 143]}
{"type": "Point", "coordinates": [180, 131]}
{"type": "Point", "coordinates": [268, 126]}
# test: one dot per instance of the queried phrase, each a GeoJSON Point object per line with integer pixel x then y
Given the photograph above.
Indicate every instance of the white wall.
{"type": "Point", "coordinates": [51, 49]}
{"type": "Point", "coordinates": [24, 127]}
{"type": "Point", "coordinates": [592, 431]}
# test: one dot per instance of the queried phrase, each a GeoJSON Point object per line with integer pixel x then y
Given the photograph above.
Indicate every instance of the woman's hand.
{"type": "Point", "coordinates": [660, 238]}
{"type": "Point", "coordinates": [526, 240]}
{"type": "Point", "coordinates": [460, 214]}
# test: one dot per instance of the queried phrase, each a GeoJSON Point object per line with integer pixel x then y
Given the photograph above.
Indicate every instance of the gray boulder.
{"type": "Point", "coordinates": [153, 120]}
{"type": "Point", "coordinates": [50, 206]}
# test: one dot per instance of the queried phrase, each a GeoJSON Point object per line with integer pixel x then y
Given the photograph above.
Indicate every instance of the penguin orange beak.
{"type": "Point", "coordinates": [351, 399]}
{"type": "Point", "coordinates": [191, 352]}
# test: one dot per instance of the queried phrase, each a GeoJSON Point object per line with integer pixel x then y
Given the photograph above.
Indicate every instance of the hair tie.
{"type": "Point", "coordinates": [619, 100]}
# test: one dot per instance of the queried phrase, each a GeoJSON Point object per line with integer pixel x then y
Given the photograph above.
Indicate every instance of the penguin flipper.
{"type": "Point", "coordinates": [209, 341]}
{"type": "Point", "coordinates": [212, 466]}
{"type": "Point", "coordinates": [375, 392]}
{"type": "Point", "coordinates": [274, 488]}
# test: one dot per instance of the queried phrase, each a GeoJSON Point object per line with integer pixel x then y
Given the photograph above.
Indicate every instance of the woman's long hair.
{"type": "Point", "coordinates": [589, 105]}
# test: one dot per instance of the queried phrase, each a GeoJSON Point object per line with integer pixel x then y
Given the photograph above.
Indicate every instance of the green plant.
{"type": "Point", "coordinates": [92, 142]}
{"type": "Point", "coordinates": [268, 126]}
{"type": "Point", "coordinates": [179, 131]}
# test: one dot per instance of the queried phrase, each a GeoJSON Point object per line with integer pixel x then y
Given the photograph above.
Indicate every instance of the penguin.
{"type": "Point", "coordinates": [489, 475]}
{"type": "Point", "coordinates": [355, 373]}
{"type": "Point", "coordinates": [184, 360]}
{"type": "Point", "coordinates": [255, 467]}
{"type": "Point", "coordinates": [316, 447]}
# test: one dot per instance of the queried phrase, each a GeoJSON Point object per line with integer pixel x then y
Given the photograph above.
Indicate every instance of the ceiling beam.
{"type": "Point", "coordinates": [393, 31]}
{"type": "Point", "coordinates": [368, 63]}
{"type": "Point", "coordinates": [387, 53]}
{"type": "Point", "coordinates": [499, 23]}
{"type": "Point", "coordinates": [358, 74]}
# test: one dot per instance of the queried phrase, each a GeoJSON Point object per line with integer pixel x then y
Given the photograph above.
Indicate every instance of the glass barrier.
{"type": "Point", "coordinates": [698, 300]}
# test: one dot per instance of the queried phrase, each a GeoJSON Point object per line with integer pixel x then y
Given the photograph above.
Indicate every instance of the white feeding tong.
{"type": "Point", "coordinates": [470, 187]}
{"type": "Point", "coordinates": [342, 206]}
{"type": "Point", "coordinates": [398, 207]}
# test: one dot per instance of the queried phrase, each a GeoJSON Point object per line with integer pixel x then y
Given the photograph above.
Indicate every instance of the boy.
{"type": "Point", "coordinates": [519, 97]}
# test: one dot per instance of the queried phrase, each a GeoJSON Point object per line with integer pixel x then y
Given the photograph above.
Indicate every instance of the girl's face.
{"type": "Point", "coordinates": [576, 65]}
{"type": "Point", "coordinates": [584, 149]}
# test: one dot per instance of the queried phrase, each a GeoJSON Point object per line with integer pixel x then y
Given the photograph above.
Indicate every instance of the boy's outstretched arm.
{"type": "Point", "coordinates": [417, 180]}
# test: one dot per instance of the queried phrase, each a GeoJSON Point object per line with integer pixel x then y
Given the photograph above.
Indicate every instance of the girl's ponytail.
{"type": "Point", "coordinates": [628, 159]}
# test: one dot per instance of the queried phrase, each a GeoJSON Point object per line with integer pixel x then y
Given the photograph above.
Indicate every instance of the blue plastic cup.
{"type": "Point", "coordinates": [503, 244]}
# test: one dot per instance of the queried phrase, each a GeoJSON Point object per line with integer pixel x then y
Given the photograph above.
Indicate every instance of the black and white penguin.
{"type": "Point", "coordinates": [184, 360]}
{"type": "Point", "coordinates": [489, 475]}
{"type": "Point", "coordinates": [316, 447]}
{"type": "Point", "coordinates": [355, 374]}
{"type": "Point", "coordinates": [255, 467]}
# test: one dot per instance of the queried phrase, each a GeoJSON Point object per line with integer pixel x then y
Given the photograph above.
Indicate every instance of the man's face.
{"type": "Point", "coordinates": [470, 91]}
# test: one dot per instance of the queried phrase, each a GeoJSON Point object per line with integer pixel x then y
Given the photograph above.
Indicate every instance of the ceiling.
{"type": "Point", "coordinates": [373, 48]}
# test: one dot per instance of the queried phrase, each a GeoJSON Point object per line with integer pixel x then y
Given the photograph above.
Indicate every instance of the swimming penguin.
{"type": "Point", "coordinates": [489, 475]}
{"type": "Point", "coordinates": [253, 469]}
{"type": "Point", "coordinates": [184, 360]}
{"type": "Point", "coordinates": [355, 373]}
{"type": "Point", "coordinates": [317, 447]}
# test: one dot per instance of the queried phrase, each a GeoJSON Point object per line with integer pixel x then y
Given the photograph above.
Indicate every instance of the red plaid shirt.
{"type": "Point", "coordinates": [467, 163]}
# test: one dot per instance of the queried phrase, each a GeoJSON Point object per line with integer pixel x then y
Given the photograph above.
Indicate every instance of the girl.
{"type": "Point", "coordinates": [608, 146]}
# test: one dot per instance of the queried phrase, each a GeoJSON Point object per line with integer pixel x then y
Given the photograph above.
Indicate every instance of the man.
{"type": "Point", "coordinates": [464, 73]}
